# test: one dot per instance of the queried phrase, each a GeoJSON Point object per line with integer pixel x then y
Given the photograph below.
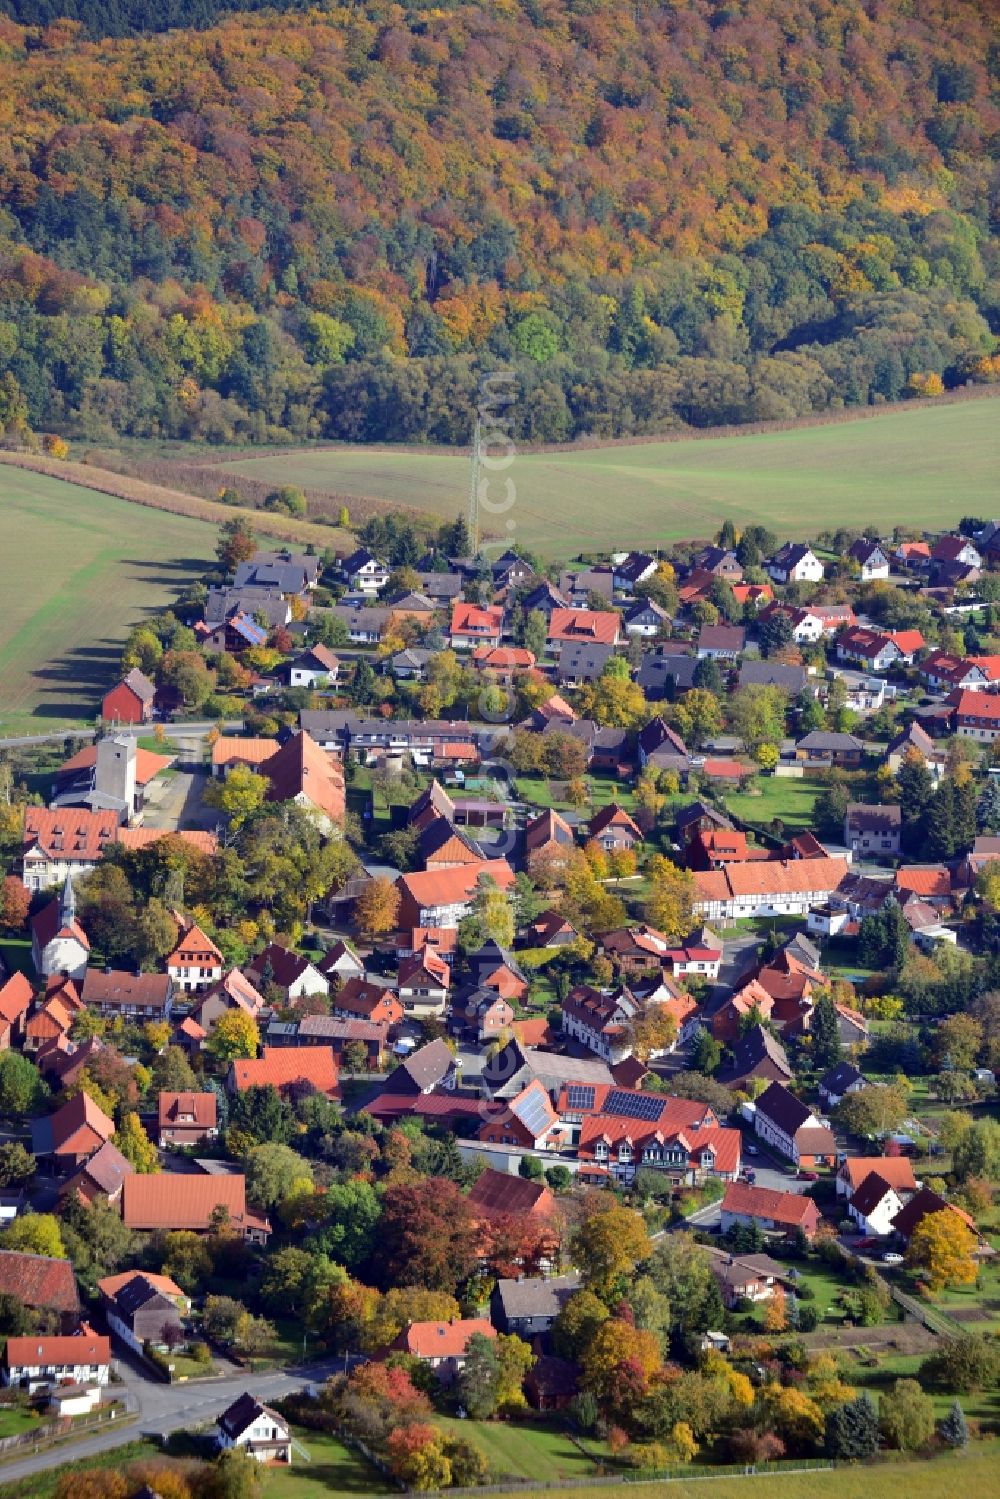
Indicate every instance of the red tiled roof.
{"type": "Point", "coordinates": [613, 816]}
{"type": "Point", "coordinates": [15, 997]}
{"type": "Point", "coordinates": [170, 1200]}
{"type": "Point", "coordinates": [498, 1192]}
{"type": "Point", "coordinates": [83, 1348]}
{"type": "Point", "coordinates": [894, 1169]}
{"type": "Point", "coordinates": [194, 1110]}
{"type": "Point", "coordinates": [598, 625]}
{"type": "Point", "coordinates": [66, 833]}
{"type": "Point", "coordinates": [233, 751]}
{"type": "Point", "coordinates": [475, 620]}
{"type": "Point", "coordinates": [112, 1284]}
{"type": "Point", "coordinates": [769, 877]}
{"type": "Point", "coordinates": [195, 947]}
{"type": "Point", "coordinates": [207, 843]}
{"type": "Point", "coordinates": [285, 1066]}
{"type": "Point", "coordinates": [79, 1126]}
{"type": "Point", "coordinates": [791, 1208]}
{"type": "Point", "coordinates": [38, 1280]}
{"type": "Point", "coordinates": [446, 887]}
{"type": "Point", "coordinates": [301, 768]}
{"type": "Point", "coordinates": [430, 1340]}
{"type": "Point", "coordinates": [147, 764]}
{"type": "Point", "coordinates": [125, 988]}
{"type": "Point", "coordinates": [48, 924]}
{"type": "Point", "coordinates": [926, 879]}
{"type": "Point", "coordinates": [723, 769]}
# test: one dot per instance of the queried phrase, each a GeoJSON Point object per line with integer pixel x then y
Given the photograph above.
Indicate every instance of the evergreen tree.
{"type": "Point", "coordinates": [965, 816]}
{"type": "Point", "coordinates": [953, 1428]}
{"type": "Point", "coordinates": [827, 1050]}
{"type": "Point", "coordinates": [896, 934]}
{"type": "Point", "coordinates": [915, 791]}
{"type": "Point", "coordinates": [940, 822]}
{"type": "Point", "coordinates": [727, 535]}
{"type": "Point", "coordinates": [708, 675]}
{"type": "Point", "coordinates": [852, 1429]}
{"type": "Point", "coordinates": [706, 1053]}
{"type": "Point", "coordinates": [871, 941]}
{"type": "Point", "coordinates": [988, 807]}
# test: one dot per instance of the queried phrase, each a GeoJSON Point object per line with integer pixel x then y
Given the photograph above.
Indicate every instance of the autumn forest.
{"type": "Point", "coordinates": [329, 222]}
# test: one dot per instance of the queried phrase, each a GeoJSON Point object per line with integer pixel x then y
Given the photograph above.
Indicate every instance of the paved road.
{"type": "Point", "coordinates": [168, 1408]}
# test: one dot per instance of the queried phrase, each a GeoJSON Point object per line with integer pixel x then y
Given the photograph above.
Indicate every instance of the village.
{"type": "Point", "coordinates": [565, 997]}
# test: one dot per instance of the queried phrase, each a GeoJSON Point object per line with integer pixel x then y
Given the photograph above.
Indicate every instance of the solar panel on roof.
{"type": "Point", "coordinates": [633, 1105]}
{"type": "Point", "coordinates": [579, 1096]}
{"type": "Point", "coordinates": [532, 1110]}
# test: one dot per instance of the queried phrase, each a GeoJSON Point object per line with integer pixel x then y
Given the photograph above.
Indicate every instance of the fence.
{"type": "Point", "coordinates": [48, 1433]}
{"type": "Point", "coordinates": [692, 1472]}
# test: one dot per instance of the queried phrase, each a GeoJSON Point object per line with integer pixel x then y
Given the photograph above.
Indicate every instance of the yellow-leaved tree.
{"type": "Point", "coordinates": [942, 1245]}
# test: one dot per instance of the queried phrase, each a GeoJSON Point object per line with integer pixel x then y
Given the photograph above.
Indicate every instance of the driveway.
{"type": "Point", "coordinates": [178, 804]}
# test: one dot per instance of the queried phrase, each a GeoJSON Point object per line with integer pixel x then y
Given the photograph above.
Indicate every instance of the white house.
{"type": "Point", "coordinates": [871, 558]}
{"type": "Point", "coordinates": [795, 563]}
{"type": "Point", "coordinates": [365, 573]}
{"type": "Point", "coordinates": [790, 1126]}
{"type": "Point", "coordinates": [766, 887]}
{"type": "Point", "coordinates": [256, 1428]}
{"type": "Point", "coordinates": [314, 667]}
{"type": "Point", "coordinates": [874, 1205]}
{"type": "Point", "coordinates": [838, 1082]}
{"type": "Point", "coordinates": [32, 1363]}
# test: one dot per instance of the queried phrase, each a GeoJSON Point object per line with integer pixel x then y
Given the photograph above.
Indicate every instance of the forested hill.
{"type": "Point", "coordinates": [130, 17]}
{"type": "Point", "coordinates": [327, 223]}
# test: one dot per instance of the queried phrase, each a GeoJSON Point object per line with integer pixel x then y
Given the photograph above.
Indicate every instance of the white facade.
{"type": "Point", "coordinates": [879, 1218]}
{"type": "Point", "coordinates": [808, 569]}
{"type": "Point", "coordinates": [267, 1438]}
{"type": "Point", "coordinates": [194, 978]}
{"type": "Point", "coordinates": [310, 676]}
{"type": "Point", "coordinates": [309, 981]}
{"type": "Point", "coordinates": [61, 955]}
{"type": "Point", "coordinates": [41, 872]}
{"type": "Point", "coordinates": [32, 1377]}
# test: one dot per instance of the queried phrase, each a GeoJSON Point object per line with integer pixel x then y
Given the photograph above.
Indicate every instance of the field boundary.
{"type": "Point", "coordinates": [847, 414]}
{"type": "Point", "coordinates": [174, 501]}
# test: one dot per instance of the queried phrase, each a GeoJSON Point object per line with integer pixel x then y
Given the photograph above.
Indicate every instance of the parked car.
{"type": "Point", "coordinates": [752, 1150]}
{"type": "Point", "coordinates": [749, 1175]}
{"type": "Point", "coordinates": [892, 1258]}
{"type": "Point", "coordinates": [808, 1176]}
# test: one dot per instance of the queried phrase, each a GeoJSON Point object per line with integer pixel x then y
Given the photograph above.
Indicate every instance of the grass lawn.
{"type": "Point", "coordinates": [332, 1469]}
{"type": "Point", "coordinates": [97, 565]}
{"type": "Point", "coordinates": [14, 1419]}
{"type": "Point", "coordinates": [923, 467]}
{"type": "Point", "coordinates": [983, 1407]}
{"type": "Point", "coordinates": [794, 801]}
{"type": "Point", "coordinates": [973, 1471]}
{"type": "Point", "coordinates": [15, 954]}
{"type": "Point", "coordinates": [529, 1451]}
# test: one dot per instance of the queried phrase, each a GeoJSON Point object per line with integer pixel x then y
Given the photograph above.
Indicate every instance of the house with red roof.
{"type": "Point", "coordinates": [61, 842]}
{"type": "Point", "coordinates": [301, 772]}
{"type": "Point", "coordinates": [379, 1004]}
{"type": "Point", "coordinates": [423, 981]}
{"type": "Point", "coordinates": [623, 1129]}
{"type": "Point", "coordinates": [775, 1212]}
{"type": "Point", "coordinates": [877, 650]}
{"type": "Point", "coordinates": [442, 897]}
{"type": "Point", "coordinates": [591, 626]}
{"type": "Point", "coordinates": [287, 1068]}
{"type": "Point", "coordinates": [34, 1363]}
{"type": "Point", "coordinates": [528, 1119]}
{"type": "Point", "coordinates": [174, 1200]}
{"type": "Point", "coordinates": [614, 829]}
{"type": "Point", "coordinates": [768, 887]}
{"type": "Point", "coordinates": [16, 997]}
{"type": "Point", "coordinates": [186, 1118]}
{"type": "Point", "coordinates": [498, 1194]}
{"type": "Point", "coordinates": [195, 963]}
{"type": "Point", "coordinates": [946, 672]}
{"type": "Point", "coordinates": [501, 662]}
{"type": "Point", "coordinates": [976, 715]}
{"type": "Point", "coordinates": [66, 1139]}
{"type": "Point", "coordinates": [443, 1345]}
{"type": "Point", "coordinates": [475, 625]}
{"type": "Point", "coordinates": [41, 1283]}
